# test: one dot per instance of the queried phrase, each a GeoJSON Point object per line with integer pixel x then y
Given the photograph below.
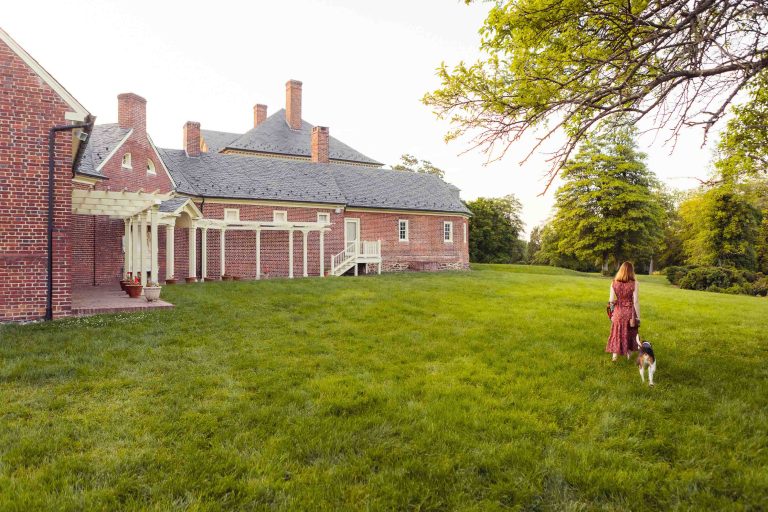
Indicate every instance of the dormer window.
{"type": "Point", "coordinates": [151, 167]}
{"type": "Point", "coordinates": [127, 161]}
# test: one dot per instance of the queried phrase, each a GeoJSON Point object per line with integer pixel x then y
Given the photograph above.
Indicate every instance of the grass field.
{"type": "Point", "coordinates": [481, 390]}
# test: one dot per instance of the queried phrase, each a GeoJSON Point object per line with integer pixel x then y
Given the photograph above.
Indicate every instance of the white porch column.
{"type": "Point", "coordinates": [322, 253]}
{"type": "Point", "coordinates": [290, 254]}
{"type": "Point", "coordinates": [381, 260]}
{"type": "Point", "coordinates": [169, 251]}
{"type": "Point", "coordinates": [127, 263]}
{"type": "Point", "coordinates": [305, 253]}
{"type": "Point", "coordinates": [223, 250]}
{"type": "Point", "coordinates": [258, 254]}
{"type": "Point", "coordinates": [136, 252]}
{"type": "Point", "coordinates": [155, 214]}
{"type": "Point", "coordinates": [193, 251]}
{"type": "Point", "coordinates": [143, 242]}
{"type": "Point", "coordinates": [204, 254]}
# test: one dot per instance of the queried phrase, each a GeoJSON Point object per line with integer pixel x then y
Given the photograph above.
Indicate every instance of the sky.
{"type": "Point", "coordinates": [364, 65]}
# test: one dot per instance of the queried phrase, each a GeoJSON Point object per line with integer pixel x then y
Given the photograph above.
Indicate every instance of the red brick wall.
{"type": "Point", "coordinates": [28, 109]}
{"type": "Point", "coordinates": [135, 178]}
{"type": "Point", "coordinates": [425, 248]}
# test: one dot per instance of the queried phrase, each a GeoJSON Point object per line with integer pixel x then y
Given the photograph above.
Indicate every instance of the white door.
{"type": "Point", "coordinates": [351, 231]}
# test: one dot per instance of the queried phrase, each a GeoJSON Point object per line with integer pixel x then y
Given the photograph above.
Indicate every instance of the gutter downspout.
{"type": "Point", "coordinates": [51, 173]}
{"type": "Point", "coordinates": [199, 264]}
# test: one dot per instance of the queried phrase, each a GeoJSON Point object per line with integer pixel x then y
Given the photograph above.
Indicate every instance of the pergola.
{"type": "Point", "coordinates": [142, 210]}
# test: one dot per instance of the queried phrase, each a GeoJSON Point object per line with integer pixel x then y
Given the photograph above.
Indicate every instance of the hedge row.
{"type": "Point", "coordinates": [718, 279]}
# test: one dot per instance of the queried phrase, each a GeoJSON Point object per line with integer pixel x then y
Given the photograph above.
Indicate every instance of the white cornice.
{"type": "Point", "coordinates": [80, 111]}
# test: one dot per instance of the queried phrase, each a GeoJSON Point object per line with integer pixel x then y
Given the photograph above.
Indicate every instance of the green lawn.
{"type": "Point", "coordinates": [481, 390]}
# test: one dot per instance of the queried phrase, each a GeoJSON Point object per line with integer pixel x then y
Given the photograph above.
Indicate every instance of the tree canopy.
{"type": "Point", "coordinates": [565, 66]}
{"type": "Point", "coordinates": [412, 164]}
{"type": "Point", "coordinates": [743, 146]}
{"type": "Point", "coordinates": [721, 228]}
{"type": "Point", "coordinates": [609, 208]}
{"type": "Point", "coordinates": [494, 230]}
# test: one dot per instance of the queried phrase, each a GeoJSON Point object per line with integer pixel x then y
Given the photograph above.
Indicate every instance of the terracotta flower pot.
{"type": "Point", "coordinates": [123, 283]}
{"type": "Point", "coordinates": [190, 279]}
{"type": "Point", "coordinates": [170, 281]}
{"type": "Point", "coordinates": [152, 293]}
{"type": "Point", "coordinates": [134, 290]}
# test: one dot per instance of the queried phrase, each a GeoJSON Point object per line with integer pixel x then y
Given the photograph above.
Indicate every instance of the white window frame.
{"type": "Point", "coordinates": [464, 225]}
{"type": "Point", "coordinates": [400, 230]}
{"type": "Point", "coordinates": [276, 213]}
{"type": "Point", "coordinates": [151, 169]}
{"type": "Point", "coordinates": [324, 217]}
{"type": "Point", "coordinates": [228, 211]}
{"type": "Point", "coordinates": [448, 223]}
{"type": "Point", "coordinates": [126, 161]}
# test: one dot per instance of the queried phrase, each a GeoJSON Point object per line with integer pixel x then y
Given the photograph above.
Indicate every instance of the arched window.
{"type": "Point", "coordinates": [151, 167]}
{"type": "Point", "coordinates": [127, 161]}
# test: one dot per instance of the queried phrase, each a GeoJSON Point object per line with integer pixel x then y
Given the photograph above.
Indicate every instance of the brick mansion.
{"type": "Point", "coordinates": [86, 204]}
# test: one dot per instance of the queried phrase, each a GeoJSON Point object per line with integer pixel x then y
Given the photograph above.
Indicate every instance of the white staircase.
{"type": "Point", "coordinates": [354, 253]}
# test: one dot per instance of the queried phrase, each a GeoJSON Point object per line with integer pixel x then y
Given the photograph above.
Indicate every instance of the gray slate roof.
{"type": "Point", "coordinates": [274, 135]}
{"type": "Point", "coordinates": [242, 177]}
{"type": "Point", "coordinates": [102, 140]}
{"type": "Point", "coordinates": [171, 205]}
{"type": "Point", "coordinates": [217, 141]}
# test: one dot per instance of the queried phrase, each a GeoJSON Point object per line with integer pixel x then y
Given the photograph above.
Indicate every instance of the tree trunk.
{"type": "Point", "coordinates": [650, 266]}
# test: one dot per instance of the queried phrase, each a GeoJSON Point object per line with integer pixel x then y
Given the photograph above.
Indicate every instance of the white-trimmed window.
{"type": "Point", "coordinates": [447, 231]}
{"type": "Point", "coordinates": [324, 218]}
{"type": "Point", "coordinates": [232, 214]}
{"type": "Point", "coordinates": [402, 230]}
{"type": "Point", "coordinates": [279, 216]}
{"type": "Point", "coordinates": [464, 225]}
{"type": "Point", "coordinates": [127, 161]}
{"type": "Point", "coordinates": [151, 167]}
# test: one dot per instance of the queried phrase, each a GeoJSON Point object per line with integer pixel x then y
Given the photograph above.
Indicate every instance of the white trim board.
{"type": "Point", "coordinates": [80, 111]}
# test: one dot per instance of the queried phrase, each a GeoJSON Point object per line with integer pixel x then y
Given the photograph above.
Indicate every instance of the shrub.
{"type": "Point", "coordinates": [675, 274]}
{"type": "Point", "coordinates": [719, 280]}
{"type": "Point", "coordinates": [760, 287]}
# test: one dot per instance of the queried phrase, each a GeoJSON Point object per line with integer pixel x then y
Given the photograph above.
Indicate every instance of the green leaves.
{"type": "Point", "coordinates": [494, 229]}
{"type": "Point", "coordinates": [565, 66]}
{"type": "Point", "coordinates": [609, 208]}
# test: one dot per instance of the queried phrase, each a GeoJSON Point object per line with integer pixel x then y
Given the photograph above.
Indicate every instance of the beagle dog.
{"type": "Point", "coordinates": [646, 359]}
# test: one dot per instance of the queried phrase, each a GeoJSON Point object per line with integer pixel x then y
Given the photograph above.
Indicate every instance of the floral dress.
{"type": "Point", "coordinates": [623, 336]}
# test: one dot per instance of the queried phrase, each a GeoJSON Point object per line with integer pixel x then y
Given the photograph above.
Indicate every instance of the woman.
{"type": "Point", "coordinates": [626, 314]}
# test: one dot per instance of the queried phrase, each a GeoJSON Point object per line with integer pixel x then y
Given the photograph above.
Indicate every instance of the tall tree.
{"type": "Point", "coordinates": [494, 228]}
{"type": "Point", "coordinates": [534, 244]}
{"type": "Point", "coordinates": [721, 228]}
{"type": "Point", "coordinates": [608, 208]}
{"type": "Point", "coordinates": [412, 164]}
{"type": "Point", "coordinates": [565, 66]}
{"type": "Point", "coordinates": [743, 145]}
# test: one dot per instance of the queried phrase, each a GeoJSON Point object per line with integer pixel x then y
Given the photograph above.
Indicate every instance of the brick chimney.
{"type": "Point", "coordinates": [259, 114]}
{"type": "Point", "coordinates": [132, 112]}
{"type": "Point", "coordinates": [320, 144]}
{"type": "Point", "coordinates": [293, 104]}
{"type": "Point", "coordinates": [192, 138]}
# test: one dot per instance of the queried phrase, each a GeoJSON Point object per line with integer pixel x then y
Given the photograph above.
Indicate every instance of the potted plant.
{"type": "Point", "coordinates": [170, 280]}
{"type": "Point", "coordinates": [134, 288]}
{"type": "Point", "coordinates": [152, 291]}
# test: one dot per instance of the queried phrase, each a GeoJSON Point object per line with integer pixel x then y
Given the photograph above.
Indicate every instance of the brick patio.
{"type": "Point", "coordinates": [96, 300]}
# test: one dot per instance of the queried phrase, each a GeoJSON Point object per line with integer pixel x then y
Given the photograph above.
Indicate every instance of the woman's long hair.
{"type": "Point", "coordinates": [626, 273]}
